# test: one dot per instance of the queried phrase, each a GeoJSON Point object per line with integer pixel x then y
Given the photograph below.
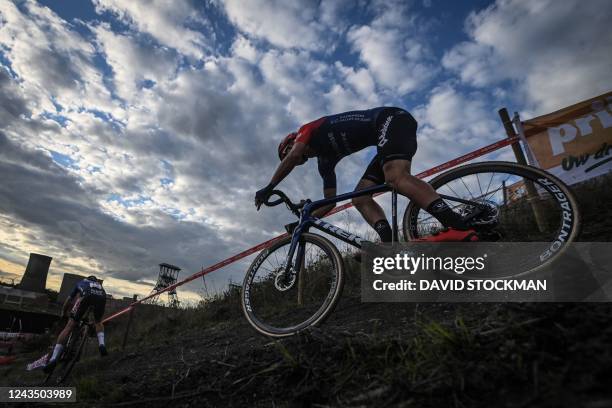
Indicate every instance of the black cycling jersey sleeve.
{"type": "Point", "coordinates": [327, 171]}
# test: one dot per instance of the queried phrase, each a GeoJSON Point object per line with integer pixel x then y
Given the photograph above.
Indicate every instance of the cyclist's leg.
{"type": "Point", "coordinates": [367, 207]}
{"type": "Point", "coordinates": [99, 305]}
{"type": "Point", "coordinates": [80, 305]}
{"type": "Point", "coordinates": [59, 345]}
{"type": "Point", "coordinates": [396, 149]}
{"type": "Point", "coordinates": [397, 174]}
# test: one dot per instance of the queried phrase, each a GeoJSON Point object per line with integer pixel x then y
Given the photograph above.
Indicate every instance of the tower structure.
{"type": "Point", "coordinates": [168, 275]}
{"type": "Point", "coordinates": [35, 276]}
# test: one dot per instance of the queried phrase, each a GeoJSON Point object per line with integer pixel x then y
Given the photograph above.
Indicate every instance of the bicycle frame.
{"type": "Point", "coordinates": [307, 220]}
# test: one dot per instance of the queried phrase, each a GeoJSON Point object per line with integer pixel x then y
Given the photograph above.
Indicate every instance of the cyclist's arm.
{"type": "Point", "coordinates": [293, 158]}
{"type": "Point", "coordinates": [327, 193]}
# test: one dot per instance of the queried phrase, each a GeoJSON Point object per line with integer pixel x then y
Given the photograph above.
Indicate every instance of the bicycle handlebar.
{"type": "Point", "coordinates": [282, 198]}
{"type": "Point", "coordinates": [295, 208]}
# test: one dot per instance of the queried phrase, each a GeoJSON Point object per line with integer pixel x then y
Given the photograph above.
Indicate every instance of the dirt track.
{"type": "Point", "coordinates": [366, 354]}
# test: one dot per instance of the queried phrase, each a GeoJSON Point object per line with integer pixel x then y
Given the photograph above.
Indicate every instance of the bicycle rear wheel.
{"type": "Point", "coordinates": [278, 304]}
{"type": "Point", "coordinates": [524, 204]}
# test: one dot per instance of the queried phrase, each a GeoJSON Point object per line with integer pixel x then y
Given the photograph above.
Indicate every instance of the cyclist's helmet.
{"type": "Point", "coordinates": [285, 145]}
{"type": "Point", "coordinates": [92, 278]}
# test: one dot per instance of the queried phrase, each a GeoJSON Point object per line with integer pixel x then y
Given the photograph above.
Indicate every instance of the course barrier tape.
{"type": "Point", "coordinates": [452, 163]}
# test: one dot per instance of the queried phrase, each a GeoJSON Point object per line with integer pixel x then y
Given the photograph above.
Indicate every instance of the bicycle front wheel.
{"type": "Point", "coordinates": [524, 204]}
{"type": "Point", "coordinates": [279, 304]}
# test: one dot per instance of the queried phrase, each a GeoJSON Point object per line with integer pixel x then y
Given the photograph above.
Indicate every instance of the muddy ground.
{"type": "Point", "coordinates": [428, 355]}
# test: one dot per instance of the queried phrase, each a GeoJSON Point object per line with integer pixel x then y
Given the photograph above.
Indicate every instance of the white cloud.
{"type": "Point", "coordinates": [557, 53]}
{"type": "Point", "coordinates": [360, 80]}
{"type": "Point", "coordinates": [284, 24]}
{"type": "Point", "coordinates": [301, 78]}
{"type": "Point", "coordinates": [243, 48]}
{"type": "Point", "coordinates": [452, 124]}
{"type": "Point", "coordinates": [394, 49]}
{"type": "Point", "coordinates": [166, 21]}
{"type": "Point", "coordinates": [133, 62]}
{"type": "Point", "coordinates": [54, 62]}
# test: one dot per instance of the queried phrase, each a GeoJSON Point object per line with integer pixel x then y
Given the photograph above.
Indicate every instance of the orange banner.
{"type": "Point", "coordinates": [574, 143]}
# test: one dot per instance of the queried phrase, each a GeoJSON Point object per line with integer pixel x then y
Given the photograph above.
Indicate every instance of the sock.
{"type": "Point", "coordinates": [383, 229]}
{"type": "Point", "coordinates": [101, 338]}
{"type": "Point", "coordinates": [57, 350]}
{"type": "Point", "coordinates": [447, 217]}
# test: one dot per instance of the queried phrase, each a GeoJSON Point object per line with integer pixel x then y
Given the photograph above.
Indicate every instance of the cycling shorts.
{"type": "Point", "coordinates": [396, 133]}
{"type": "Point", "coordinates": [83, 303]}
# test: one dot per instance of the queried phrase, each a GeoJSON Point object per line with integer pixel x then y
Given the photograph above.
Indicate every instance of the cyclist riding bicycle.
{"type": "Point", "coordinates": [393, 132]}
{"type": "Point", "coordinates": [87, 293]}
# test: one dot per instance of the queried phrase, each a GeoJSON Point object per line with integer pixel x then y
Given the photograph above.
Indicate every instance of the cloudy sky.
{"type": "Point", "coordinates": [136, 132]}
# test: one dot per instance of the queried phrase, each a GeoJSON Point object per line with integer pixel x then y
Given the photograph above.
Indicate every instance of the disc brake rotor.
{"type": "Point", "coordinates": [284, 281]}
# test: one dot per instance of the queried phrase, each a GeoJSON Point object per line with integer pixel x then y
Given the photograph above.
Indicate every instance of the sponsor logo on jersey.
{"type": "Point", "coordinates": [382, 137]}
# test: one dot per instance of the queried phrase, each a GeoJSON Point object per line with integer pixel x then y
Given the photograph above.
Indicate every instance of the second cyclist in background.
{"type": "Point", "coordinates": [87, 293]}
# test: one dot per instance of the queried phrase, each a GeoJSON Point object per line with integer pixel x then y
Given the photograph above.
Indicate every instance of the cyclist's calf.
{"type": "Point", "coordinates": [63, 336]}
{"type": "Point", "coordinates": [363, 201]}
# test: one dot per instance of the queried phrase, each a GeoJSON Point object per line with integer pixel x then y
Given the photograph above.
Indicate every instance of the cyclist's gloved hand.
{"type": "Point", "coordinates": [262, 195]}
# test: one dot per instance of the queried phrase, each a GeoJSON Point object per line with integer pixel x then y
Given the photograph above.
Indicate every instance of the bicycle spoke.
{"type": "Point", "coordinates": [503, 183]}
{"type": "Point", "coordinates": [490, 181]}
{"type": "Point", "coordinates": [508, 212]}
{"type": "Point", "coordinates": [284, 301]}
{"type": "Point", "coordinates": [466, 187]}
{"type": "Point", "coordinates": [453, 191]}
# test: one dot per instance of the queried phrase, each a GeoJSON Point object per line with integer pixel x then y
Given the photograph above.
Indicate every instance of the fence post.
{"type": "Point", "coordinates": [516, 147]}
{"type": "Point", "coordinates": [532, 192]}
{"type": "Point", "coordinates": [129, 323]}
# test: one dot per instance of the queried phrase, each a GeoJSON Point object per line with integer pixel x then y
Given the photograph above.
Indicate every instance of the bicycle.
{"type": "Point", "coordinates": [73, 349]}
{"type": "Point", "coordinates": [297, 281]}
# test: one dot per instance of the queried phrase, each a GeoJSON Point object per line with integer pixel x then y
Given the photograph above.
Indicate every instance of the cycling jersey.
{"type": "Point", "coordinates": [92, 294]}
{"type": "Point", "coordinates": [391, 130]}
{"type": "Point", "coordinates": [86, 287]}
